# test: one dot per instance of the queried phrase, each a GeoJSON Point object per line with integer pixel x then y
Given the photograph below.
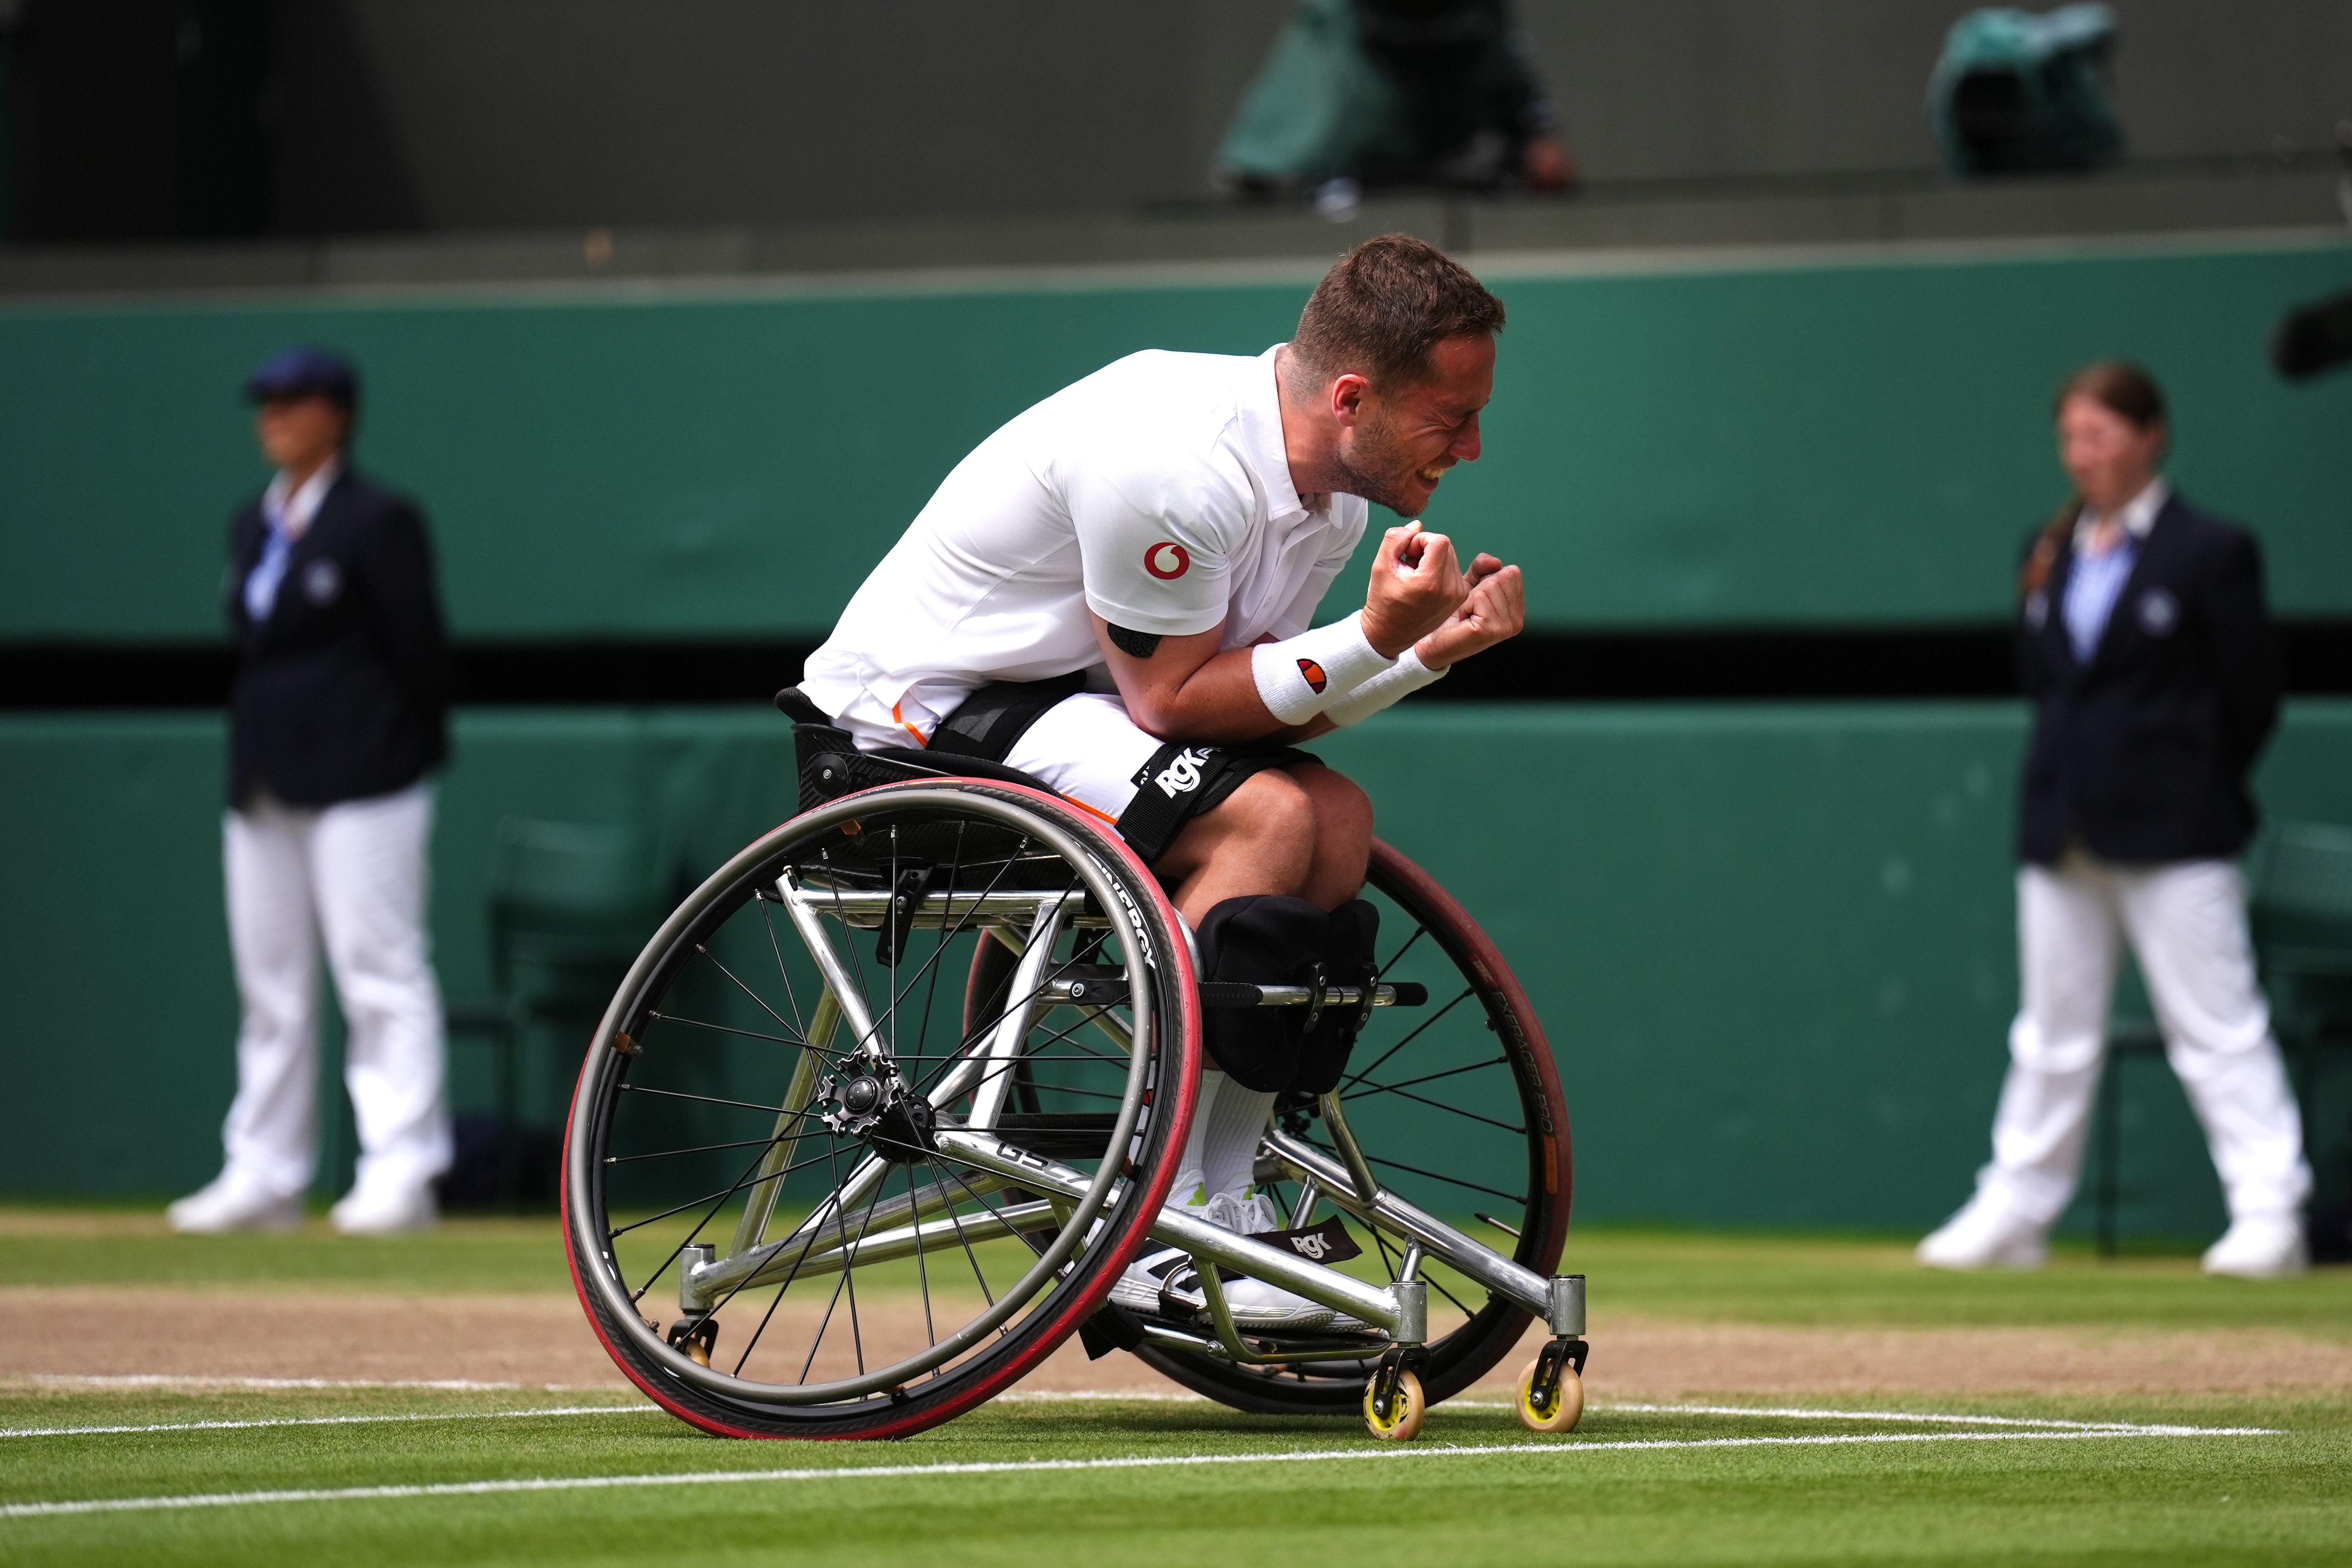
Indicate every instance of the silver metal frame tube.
{"type": "Point", "coordinates": [1207, 1243]}
{"type": "Point", "coordinates": [932, 1236]}
{"type": "Point", "coordinates": [759, 1200]}
{"type": "Point", "coordinates": [1522, 1287]}
{"type": "Point", "coordinates": [1004, 1046]}
{"type": "Point", "coordinates": [823, 1231]}
{"type": "Point", "coordinates": [868, 910]}
{"type": "Point", "coordinates": [810, 923]}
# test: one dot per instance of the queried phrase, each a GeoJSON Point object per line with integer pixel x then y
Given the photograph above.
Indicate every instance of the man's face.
{"type": "Point", "coordinates": [300, 432]}
{"type": "Point", "coordinates": [1401, 440]}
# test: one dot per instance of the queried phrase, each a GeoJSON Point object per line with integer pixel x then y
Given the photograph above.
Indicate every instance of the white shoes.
{"type": "Point", "coordinates": [2260, 1247]}
{"type": "Point", "coordinates": [385, 1210]}
{"type": "Point", "coordinates": [1986, 1233]}
{"type": "Point", "coordinates": [1163, 1283]}
{"type": "Point", "coordinates": [231, 1203]}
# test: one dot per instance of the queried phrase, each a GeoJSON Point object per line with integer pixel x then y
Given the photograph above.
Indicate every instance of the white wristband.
{"type": "Point", "coordinates": [1406, 676]}
{"type": "Point", "coordinates": [1301, 676]}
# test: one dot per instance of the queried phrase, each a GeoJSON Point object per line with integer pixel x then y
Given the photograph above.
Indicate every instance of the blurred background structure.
{"type": "Point", "coordinates": [673, 315]}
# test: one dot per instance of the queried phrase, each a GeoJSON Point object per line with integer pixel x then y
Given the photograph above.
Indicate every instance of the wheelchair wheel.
{"type": "Point", "coordinates": [1458, 1106]}
{"type": "Point", "coordinates": [790, 1146]}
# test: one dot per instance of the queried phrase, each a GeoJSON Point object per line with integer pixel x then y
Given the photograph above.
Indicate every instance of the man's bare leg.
{"type": "Point", "coordinates": [1259, 839]}
{"type": "Point", "coordinates": [1305, 833]}
{"type": "Point", "coordinates": [1343, 836]}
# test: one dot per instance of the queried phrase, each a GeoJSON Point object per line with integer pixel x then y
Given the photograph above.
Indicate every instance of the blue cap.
{"type": "Point", "coordinates": [305, 372]}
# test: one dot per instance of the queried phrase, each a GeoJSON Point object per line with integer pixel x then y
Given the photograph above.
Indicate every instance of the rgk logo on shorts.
{"type": "Point", "coordinates": [1314, 673]}
{"type": "Point", "coordinates": [1181, 776]}
{"type": "Point", "coordinates": [1167, 560]}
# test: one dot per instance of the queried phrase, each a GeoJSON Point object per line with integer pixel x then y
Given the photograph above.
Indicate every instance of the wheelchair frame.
{"type": "Point", "coordinates": [1053, 1196]}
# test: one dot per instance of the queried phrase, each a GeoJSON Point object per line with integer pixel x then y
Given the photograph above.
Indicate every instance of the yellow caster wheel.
{"type": "Point", "coordinates": [1406, 1411]}
{"type": "Point", "coordinates": [1557, 1409]}
{"type": "Point", "coordinates": [698, 1337]}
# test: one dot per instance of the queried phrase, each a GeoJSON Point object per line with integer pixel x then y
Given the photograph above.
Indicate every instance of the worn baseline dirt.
{"type": "Point", "coordinates": [544, 1339]}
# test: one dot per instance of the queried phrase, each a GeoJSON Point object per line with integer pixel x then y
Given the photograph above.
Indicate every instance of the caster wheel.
{"type": "Point", "coordinates": [1559, 1412]}
{"type": "Point", "coordinates": [1406, 1411]}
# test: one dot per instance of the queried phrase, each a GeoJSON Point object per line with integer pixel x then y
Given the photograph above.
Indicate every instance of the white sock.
{"type": "Point", "coordinates": [1235, 1124]}
{"type": "Point", "coordinates": [1196, 1142]}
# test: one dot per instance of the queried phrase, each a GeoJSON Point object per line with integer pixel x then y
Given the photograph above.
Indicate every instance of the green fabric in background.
{"type": "Point", "coordinates": [1772, 944]}
{"type": "Point", "coordinates": [1319, 107]}
{"type": "Point", "coordinates": [1859, 442]}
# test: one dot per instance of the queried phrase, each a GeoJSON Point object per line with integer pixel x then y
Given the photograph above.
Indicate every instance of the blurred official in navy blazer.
{"type": "Point", "coordinates": [337, 720]}
{"type": "Point", "coordinates": [2146, 648]}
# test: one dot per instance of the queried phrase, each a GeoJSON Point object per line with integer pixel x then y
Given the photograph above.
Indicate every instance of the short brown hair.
{"type": "Point", "coordinates": [1384, 308]}
{"type": "Point", "coordinates": [2121, 387]}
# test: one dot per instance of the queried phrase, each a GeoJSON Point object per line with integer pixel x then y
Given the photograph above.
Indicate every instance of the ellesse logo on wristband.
{"type": "Point", "coordinates": [1167, 560]}
{"type": "Point", "coordinates": [1314, 673]}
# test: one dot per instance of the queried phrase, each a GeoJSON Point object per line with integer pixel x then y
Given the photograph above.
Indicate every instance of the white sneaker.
{"type": "Point", "coordinates": [231, 1203]}
{"type": "Point", "coordinates": [2260, 1247]}
{"type": "Point", "coordinates": [1165, 1284]}
{"type": "Point", "coordinates": [385, 1211]}
{"type": "Point", "coordinates": [1986, 1233]}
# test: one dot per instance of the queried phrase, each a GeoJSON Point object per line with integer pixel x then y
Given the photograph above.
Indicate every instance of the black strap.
{"type": "Point", "coordinates": [1182, 781]}
{"type": "Point", "coordinates": [986, 723]}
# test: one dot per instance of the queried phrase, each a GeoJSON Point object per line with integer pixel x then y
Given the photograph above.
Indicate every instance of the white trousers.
{"type": "Point", "coordinates": [355, 874]}
{"type": "Point", "coordinates": [2187, 925]}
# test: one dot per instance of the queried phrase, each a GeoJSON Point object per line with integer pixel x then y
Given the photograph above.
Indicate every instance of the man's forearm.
{"type": "Point", "coordinates": [1217, 704]}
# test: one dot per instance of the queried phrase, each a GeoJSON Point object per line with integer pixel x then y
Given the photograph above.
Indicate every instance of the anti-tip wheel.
{"type": "Point", "coordinates": [1561, 1411]}
{"type": "Point", "coordinates": [1406, 1411]}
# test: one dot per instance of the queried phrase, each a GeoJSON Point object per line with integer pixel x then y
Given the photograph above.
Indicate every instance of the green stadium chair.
{"type": "Point", "coordinates": [571, 905]}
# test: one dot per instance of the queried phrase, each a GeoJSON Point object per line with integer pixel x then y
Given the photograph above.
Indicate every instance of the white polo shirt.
{"type": "Point", "coordinates": [1155, 491]}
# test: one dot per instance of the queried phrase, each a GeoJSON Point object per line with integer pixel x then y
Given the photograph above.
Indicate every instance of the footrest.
{"type": "Point", "coordinates": [1240, 994]}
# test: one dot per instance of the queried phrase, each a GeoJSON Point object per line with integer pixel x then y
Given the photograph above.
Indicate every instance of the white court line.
{"type": "Point", "coordinates": [330, 1420]}
{"type": "Point", "coordinates": [1099, 1394]}
{"type": "Point", "coordinates": [2135, 1427]}
{"type": "Point", "coordinates": [853, 1472]}
{"type": "Point", "coordinates": [1794, 1413]}
{"type": "Point", "coordinates": [1033, 1396]}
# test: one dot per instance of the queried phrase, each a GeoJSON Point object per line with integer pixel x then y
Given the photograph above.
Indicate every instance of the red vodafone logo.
{"type": "Point", "coordinates": [1167, 560]}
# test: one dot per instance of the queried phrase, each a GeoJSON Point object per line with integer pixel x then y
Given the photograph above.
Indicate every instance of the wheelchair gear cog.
{"type": "Point", "coordinates": [854, 1104]}
{"type": "Point", "coordinates": [896, 1125]}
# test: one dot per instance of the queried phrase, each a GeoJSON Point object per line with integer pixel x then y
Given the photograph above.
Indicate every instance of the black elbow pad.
{"type": "Point", "coordinates": [1135, 645]}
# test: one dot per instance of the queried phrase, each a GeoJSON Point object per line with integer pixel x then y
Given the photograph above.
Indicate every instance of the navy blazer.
{"type": "Point", "coordinates": [2142, 754]}
{"type": "Point", "coordinates": [342, 693]}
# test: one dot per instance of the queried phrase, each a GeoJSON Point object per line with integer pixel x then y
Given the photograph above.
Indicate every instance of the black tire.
{"type": "Point", "coordinates": [1477, 1012]}
{"type": "Point", "coordinates": [693, 1068]}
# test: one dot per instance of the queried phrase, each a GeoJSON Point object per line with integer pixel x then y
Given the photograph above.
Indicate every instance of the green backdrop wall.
{"type": "Point", "coordinates": [1772, 944]}
{"type": "Point", "coordinates": [1854, 442]}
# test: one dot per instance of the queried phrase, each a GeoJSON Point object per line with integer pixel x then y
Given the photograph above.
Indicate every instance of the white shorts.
{"type": "Point", "coordinates": [1085, 746]}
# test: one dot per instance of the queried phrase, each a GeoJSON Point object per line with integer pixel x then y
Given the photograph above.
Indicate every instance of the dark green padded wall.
{"type": "Point", "coordinates": [1772, 945]}
{"type": "Point", "coordinates": [1851, 442]}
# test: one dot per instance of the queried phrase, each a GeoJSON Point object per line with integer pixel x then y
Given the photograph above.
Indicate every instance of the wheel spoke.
{"type": "Point", "coordinates": [1430, 1078]}
{"type": "Point", "coordinates": [732, 1029]}
{"type": "Point", "coordinates": [705, 1099]}
{"type": "Point", "coordinates": [762, 1002]}
{"type": "Point", "coordinates": [698, 1148]}
{"type": "Point", "coordinates": [784, 970]}
{"type": "Point", "coordinates": [1440, 1105]}
{"type": "Point", "coordinates": [1467, 992]}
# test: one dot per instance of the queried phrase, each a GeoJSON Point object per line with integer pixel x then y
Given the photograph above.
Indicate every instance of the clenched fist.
{"type": "Point", "coordinates": [1495, 608]}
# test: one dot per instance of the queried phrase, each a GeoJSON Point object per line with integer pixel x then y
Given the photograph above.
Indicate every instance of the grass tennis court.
{"type": "Point", "coordinates": [2176, 1419]}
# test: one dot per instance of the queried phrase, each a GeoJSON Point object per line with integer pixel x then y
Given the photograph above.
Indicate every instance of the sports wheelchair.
{"type": "Point", "coordinates": [885, 1108]}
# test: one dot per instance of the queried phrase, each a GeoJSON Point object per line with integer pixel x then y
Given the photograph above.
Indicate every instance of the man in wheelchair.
{"type": "Point", "coordinates": [1113, 596]}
